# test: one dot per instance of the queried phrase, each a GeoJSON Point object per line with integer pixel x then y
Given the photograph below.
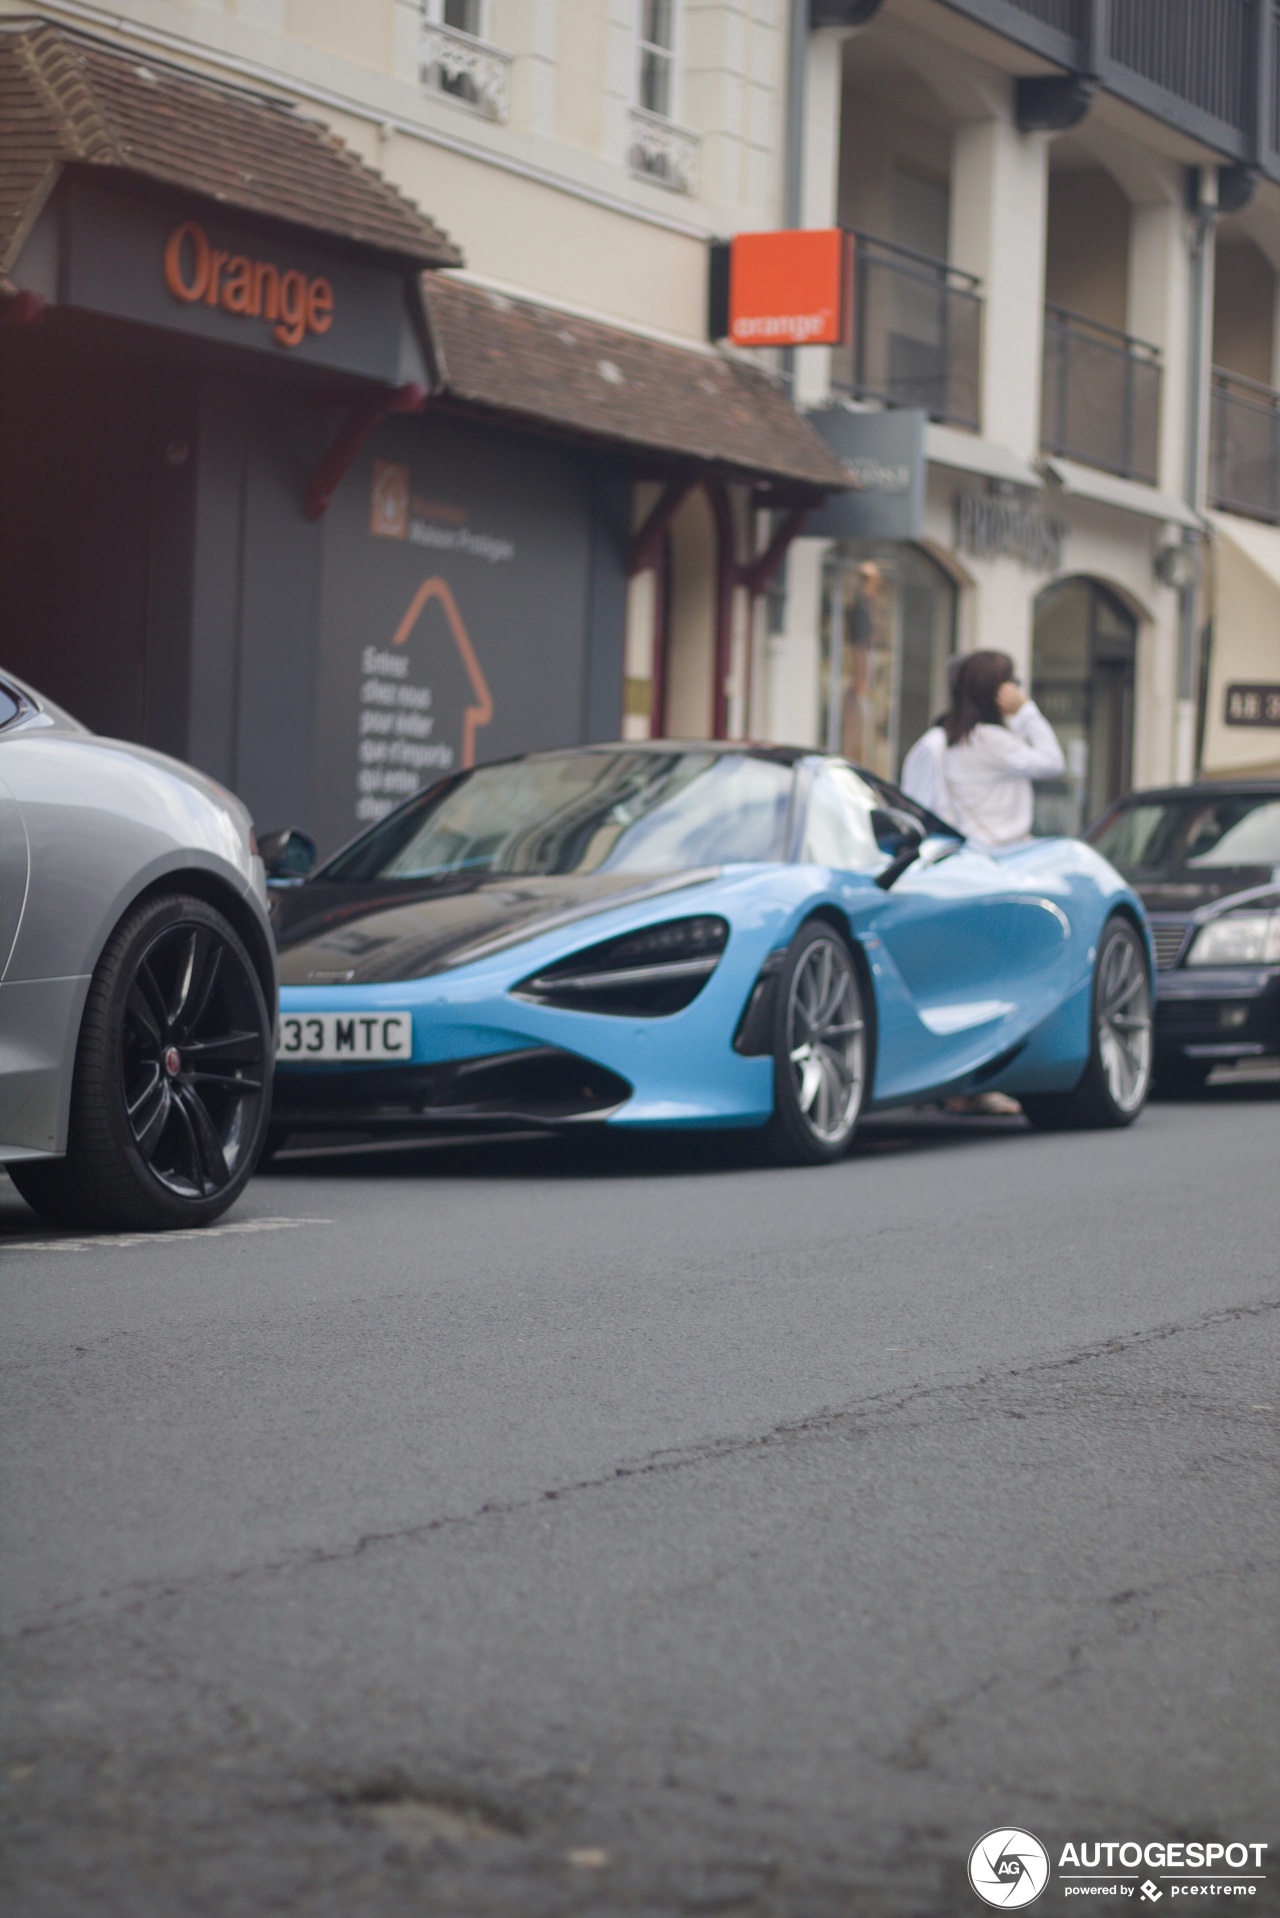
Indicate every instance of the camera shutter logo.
{"type": "Point", "coordinates": [1008, 1868]}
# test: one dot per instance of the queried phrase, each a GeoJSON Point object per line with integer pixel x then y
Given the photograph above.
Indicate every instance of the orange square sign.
{"type": "Point", "coordinates": [789, 289]}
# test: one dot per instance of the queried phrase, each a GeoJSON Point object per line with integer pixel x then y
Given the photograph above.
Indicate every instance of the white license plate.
{"type": "Point", "coordinates": [345, 1035]}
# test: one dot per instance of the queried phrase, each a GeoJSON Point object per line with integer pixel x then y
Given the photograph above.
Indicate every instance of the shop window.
{"type": "Point", "coordinates": [888, 632]}
{"type": "Point", "coordinates": [1082, 665]}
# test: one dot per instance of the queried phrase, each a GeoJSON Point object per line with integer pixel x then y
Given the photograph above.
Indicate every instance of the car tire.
{"type": "Point", "coordinates": [1117, 1078]}
{"type": "Point", "coordinates": [275, 1139]}
{"type": "Point", "coordinates": [820, 1049]}
{"type": "Point", "coordinates": [171, 1092]}
{"type": "Point", "coordinates": [1182, 1078]}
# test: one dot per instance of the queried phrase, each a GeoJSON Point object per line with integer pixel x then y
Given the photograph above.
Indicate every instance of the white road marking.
{"type": "Point", "coordinates": [154, 1238]}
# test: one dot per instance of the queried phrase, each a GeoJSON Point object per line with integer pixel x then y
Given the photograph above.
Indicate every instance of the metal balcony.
{"type": "Point", "coordinates": [1100, 397]}
{"type": "Point", "coordinates": [916, 335]}
{"type": "Point", "coordinates": [1244, 447]}
{"type": "Point", "coordinates": [1209, 68]}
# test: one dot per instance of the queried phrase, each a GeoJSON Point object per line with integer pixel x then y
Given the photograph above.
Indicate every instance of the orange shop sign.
{"type": "Point", "coordinates": [790, 289]}
{"type": "Point", "coordinates": [292, 303]}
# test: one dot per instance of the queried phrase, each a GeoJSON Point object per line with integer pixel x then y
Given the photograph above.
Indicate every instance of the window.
{"type": "Point", "coordinates": [1163, 839]}
{"type": "Point", "coordinates": [660, 149]}
{"type": "Point", "coordinates": [657, 36]}
{"type": "Point", "coordinates": [583, 812]}
{"type": "Point", "coordinates": [466, 16]}
{"type": "Point", "coordinates": [837, 827]}
{"type": "Point", "coordinates": [888, 625]}
{"type": "Point", "coordinates": [10, 706]}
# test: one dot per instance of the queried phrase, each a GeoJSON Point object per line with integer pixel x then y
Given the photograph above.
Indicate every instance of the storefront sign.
{"type": "Point", "coordinates": [453, 613]}
{"type": "Point", "coordinates": [230, 281]}
{"type": "Point", "coordinates": [1003, 526]}
{"type": "Point", "coordinates": [883, 454]}
{"type": "Point", "coordinates": [789, 289]}
{"type": "Point", "coordinates": [1253, 705]}
{"type": "Point", "coordinates": [291, 303]}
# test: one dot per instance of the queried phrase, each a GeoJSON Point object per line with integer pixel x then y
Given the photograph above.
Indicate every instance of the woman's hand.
{"type": "Point", "coordinates": [1010, 698]}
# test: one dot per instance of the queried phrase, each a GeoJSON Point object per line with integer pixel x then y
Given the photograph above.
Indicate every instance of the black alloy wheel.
{"type": "Point", "coordinates": [1117, 1079]}
{"type": "Point", "coordinates": [172, 1086]}
{"type": "Point", "coordinates": [820, 1049]}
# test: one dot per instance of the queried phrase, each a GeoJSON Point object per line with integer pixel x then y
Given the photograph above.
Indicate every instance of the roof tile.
{"type": "Point", "coordinates": [68, 99]}
{"type": "Point", "coordinates": [602, 382]}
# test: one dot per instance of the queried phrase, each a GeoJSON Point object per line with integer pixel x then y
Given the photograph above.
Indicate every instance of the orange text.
{"type": "Point", "coordinates": [292, 302]}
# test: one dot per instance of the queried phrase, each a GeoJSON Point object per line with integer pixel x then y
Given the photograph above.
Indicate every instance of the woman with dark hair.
{"type": "Point", "coordinates": [998, 743]}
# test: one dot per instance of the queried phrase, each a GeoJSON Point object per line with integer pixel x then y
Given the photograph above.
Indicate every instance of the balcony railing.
{"type": "Point", "coordinates": [466, 69]}
{"type": "Point", "coordinates": [663, 151]}
{"type": "Point", "coordinates": [1244, 447]}
{"type": "Point", "coordinates": [1100, 399]}
{"type": "Point", "coordinates": [1200, 51]}
{"type": "Point", "coordinates": [1206, 67]}
{"type": "Point", "coordinates": [916, 336]}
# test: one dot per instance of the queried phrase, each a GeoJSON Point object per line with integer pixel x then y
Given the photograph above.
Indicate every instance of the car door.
{"type": "Point", "coordinates": [935, 938]}
{"type": "Point", "coordinates": [13, 841]}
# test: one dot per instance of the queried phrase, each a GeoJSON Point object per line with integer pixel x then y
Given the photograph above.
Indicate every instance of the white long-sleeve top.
{"type": "Point", "coordinates": [922, 773]}
{"type": "Point", "coordinates": [988, 776]}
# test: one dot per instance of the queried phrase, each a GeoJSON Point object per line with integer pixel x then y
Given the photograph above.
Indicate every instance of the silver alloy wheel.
{"type": "Point", "coordinates": [826, 1040]}
{"type": "Point", "coordinates": [1124, 1023]}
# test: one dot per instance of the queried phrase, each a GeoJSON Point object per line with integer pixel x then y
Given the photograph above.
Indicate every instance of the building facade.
{"type": "Point", "coordinates": [1067, 235]}
{"type": "Point", "coordinates": [1066, 221]}
{"type": "Point", "coordinates": [442, 512]}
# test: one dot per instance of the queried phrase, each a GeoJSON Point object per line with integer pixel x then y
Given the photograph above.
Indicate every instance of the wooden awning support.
{"type": "Point", "coordinates": [756, 574]}
{"type": "Point", "coordinates": [643, 549]}
{"type": "Point", "coordinates": [333, 465]}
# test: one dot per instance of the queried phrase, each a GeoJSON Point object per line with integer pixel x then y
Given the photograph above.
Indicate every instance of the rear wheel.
{"type": "Point", "coordinates": [1117, 1078]}
{"type": "Point", "coordinates": [820, 1049]}
{"type": "Point", "coordinates": [172, 1082]}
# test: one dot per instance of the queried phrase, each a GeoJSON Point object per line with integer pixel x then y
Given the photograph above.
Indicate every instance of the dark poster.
{"type": "Point", "coordinates": [454, 613]}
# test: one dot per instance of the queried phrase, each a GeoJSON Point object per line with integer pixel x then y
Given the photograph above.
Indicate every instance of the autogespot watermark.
{"type": "Point", "coordinates": [1009, 1868]}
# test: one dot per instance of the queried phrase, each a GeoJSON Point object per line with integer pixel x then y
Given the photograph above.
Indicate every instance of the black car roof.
{"type": "Point", "coordinates": [1202, 789]}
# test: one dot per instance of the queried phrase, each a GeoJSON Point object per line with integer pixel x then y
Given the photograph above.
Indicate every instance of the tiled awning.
{"type": "Point", "coordinates": [70, 101]}
{"type": "Point", "coordinates": [548, 371]}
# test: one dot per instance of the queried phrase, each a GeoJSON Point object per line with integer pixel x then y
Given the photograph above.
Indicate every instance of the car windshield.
{"type": "Point", "coordinates": [1202, 832]}
{"type": "Point", "coordinates": [584, 812]}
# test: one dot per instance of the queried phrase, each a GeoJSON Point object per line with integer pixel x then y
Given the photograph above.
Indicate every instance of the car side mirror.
{"type": "Point", "coordinates": [287, 853]}
{"type": "Point", "coordinates": [896, 832]}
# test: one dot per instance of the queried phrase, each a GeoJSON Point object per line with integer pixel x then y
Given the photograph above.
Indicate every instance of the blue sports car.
{"type": "Point", "coordinates": [676, 934]}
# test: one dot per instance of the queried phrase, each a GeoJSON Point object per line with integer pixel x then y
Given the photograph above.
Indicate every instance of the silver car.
{"type": "Point", "coordinates": [137, 979]}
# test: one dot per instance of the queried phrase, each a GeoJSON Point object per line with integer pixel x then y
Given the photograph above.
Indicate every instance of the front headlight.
{"type": "Point", "coordinates": [1240, 939]}
{"type": "Point", "coordinates": [641, 975]}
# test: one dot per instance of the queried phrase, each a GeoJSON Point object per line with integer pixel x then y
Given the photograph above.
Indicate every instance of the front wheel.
{"type": "Point", "coordinates": [1117, 1078]}
{"type": "Point", "coordinates": [172, 1085]}
{"type": "Point", "coordinates": [820, 1049]}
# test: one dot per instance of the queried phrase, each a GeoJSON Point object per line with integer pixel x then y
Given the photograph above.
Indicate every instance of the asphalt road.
{"type": "Point", "coordinates": [537, 1530]}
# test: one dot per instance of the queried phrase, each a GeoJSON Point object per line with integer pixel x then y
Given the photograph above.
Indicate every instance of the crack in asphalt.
{"type": "Point", "coordinates": [678, 1459]}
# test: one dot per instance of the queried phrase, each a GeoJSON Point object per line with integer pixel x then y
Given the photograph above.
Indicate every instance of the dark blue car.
{"type": "Point", "coordinates": [1206, 860]}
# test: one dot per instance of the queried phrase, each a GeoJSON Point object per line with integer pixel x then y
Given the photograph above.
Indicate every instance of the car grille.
{"type": "Point", "coordinates": [1184, 1015]}
{"type": "Point", "coordinates": [1167, 940]}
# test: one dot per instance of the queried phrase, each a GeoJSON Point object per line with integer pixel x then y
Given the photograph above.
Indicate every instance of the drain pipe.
{"type": "Point", "coordinates": [797, 62]}
{"type": "Point", "coordinates": [1205, 213]}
